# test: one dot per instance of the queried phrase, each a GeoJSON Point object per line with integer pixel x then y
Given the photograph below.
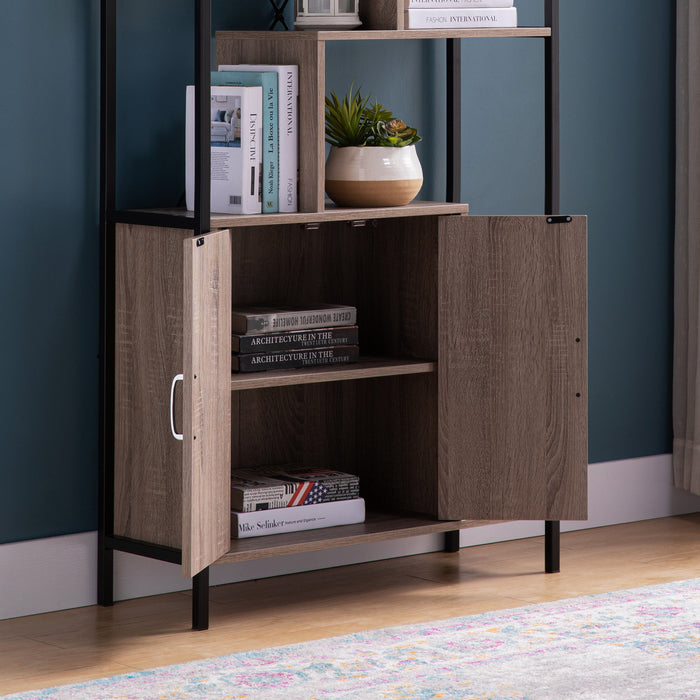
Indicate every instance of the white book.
{"type": "Point", "coordinates": [236, 149]}
{"type": "Point", "coordinates": [288, 99]}
{"type": "Point", "coordinates": [451, 4]}
{"type": "Point", "coordinates": [462, 18]}
{"type": "Point", "coordinates": [312, 517]}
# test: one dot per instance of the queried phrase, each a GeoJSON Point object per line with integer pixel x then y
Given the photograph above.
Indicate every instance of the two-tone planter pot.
{"type": "Point", "coordinates": [373, 176]}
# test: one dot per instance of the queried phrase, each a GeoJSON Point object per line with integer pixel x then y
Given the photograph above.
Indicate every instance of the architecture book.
{"type": "Point", "coordinates": [236, 129]}
{"type": "Point", "coordinates": [295, 359]}
{"type": "Point", "coordinates": [462, 18]}
{"type": "Point", "coordinates": [464, 4]}
{"type": "Point", "coordinates": [288, 92]}
{"type": "Point", "coordinates": [289, 486]}
{"type": "Point", "coordinates": [269, 319]}
{"type": "Point", "coordinates": [311, 517]}
{"type": "Point", "coordinates": [294, 340]}
{"type": "Point", "coordinates": [267, 80]}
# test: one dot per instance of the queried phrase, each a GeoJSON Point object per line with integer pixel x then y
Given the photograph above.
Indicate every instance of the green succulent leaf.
{"type": "Point", "coordinates": [351, 121]}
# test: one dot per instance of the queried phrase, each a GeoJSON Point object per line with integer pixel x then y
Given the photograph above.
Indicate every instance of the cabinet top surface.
{"type": "Point", "coordinates": [364, 34]}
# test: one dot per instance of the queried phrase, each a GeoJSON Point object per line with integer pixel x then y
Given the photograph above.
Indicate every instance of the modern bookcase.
{"type": "Point", "coordinates": [468, 404]}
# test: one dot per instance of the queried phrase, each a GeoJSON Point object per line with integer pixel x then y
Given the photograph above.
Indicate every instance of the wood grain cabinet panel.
{"type": "Point", "coordinates": [512, 368]}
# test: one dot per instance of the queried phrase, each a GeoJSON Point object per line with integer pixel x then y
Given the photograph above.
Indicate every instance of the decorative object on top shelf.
{"type": "Point", "coordinates": [373, 160]}
{"type": "Point", "coordinates": [278, 7]}
{"type": "Point", "coordinates": [327, 14]}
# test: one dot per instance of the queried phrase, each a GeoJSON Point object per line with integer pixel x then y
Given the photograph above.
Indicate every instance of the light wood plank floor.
{"type": "Point", "coordinates": [92, 642]}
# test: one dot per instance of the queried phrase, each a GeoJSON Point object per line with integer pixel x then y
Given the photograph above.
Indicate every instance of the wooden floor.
{"type": "Point", "coordinates": [92, 642]}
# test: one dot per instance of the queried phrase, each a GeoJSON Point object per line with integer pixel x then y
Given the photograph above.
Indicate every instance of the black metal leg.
{"type": "Point", "coordinates": [452, 541]}
{"type": "Point", "coordinates": [551, 546]}
{"type": "Point", "coordinates": [105, 575]}
{"type": "Point", "coordinates": [200, 600]}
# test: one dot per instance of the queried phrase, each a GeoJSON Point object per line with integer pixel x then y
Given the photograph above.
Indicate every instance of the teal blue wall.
{"type": "Point", "coordinates": [617, 167]}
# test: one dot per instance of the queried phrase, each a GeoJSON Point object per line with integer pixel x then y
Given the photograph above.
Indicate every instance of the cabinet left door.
{"type": "Point", "coordinates": [172, 317]}
{"type": "Point", "coordinates": [206, 469]}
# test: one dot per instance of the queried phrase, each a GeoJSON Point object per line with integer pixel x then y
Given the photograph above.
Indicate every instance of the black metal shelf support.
{"type": "Point", "coordinates": [199, 223]}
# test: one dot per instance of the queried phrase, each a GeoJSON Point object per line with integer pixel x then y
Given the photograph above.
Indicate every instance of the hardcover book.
{"type": "Point", "coordinates": [294, 359]}
{"type": "Point", "coordinates": [270, 319]}
{"type": "Point", "coordinates": [311, 517]}
{"type": "Point", "coordinates": [294, 340]}
{"type": "Point", "coordinates": [288, 91]}
{"type": "Point", "coordinates": [267, 80]}
{"type": "Point", "coordinates": [289, 486]}
{"type": "Point", "coordinates": [462, 18]}
{"type": "Point", "coordinates": [465, 4]}
{"type": "Point", "coordinates": [236, 128]}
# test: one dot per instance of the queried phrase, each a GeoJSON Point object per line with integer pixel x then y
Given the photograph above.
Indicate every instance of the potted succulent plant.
{"type": "Point", "coordinates": [373, 160]}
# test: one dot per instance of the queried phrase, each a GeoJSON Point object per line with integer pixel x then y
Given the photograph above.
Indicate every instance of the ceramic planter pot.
{"type": "Point", "coordinates": [373, 176]}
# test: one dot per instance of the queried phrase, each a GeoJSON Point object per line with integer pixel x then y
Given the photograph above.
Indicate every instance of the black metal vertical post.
{"type": "Point", "coordinates": [202, 100]}
{"type": "Point", "coordinates": [551, 546]}
{"type": "Point", "coordinates": [453, 164]}
{"type": "Point", "coordinates": [105, 553]}
{"type": "Point", "coordinates": [200, 600]}
{"type": "Point", "coordinates": [551, 197]}
{"type": "Point", "coordinates": [551, 87]}
{"type": "Point", "coordinates": [454, 120]}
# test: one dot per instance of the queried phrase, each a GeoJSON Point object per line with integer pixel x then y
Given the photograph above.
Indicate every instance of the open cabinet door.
{"type": "Point", "coordinates": [512, 368]}
{"type": "Point", "coordinates": [206, 401]}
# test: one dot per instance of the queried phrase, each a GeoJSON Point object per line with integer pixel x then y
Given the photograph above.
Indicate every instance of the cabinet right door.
{"type": "Point", "coordinates": [512, 368]}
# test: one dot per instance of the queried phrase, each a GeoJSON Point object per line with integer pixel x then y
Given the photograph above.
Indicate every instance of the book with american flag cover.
{"type": "Point", "coordinates": [286, 486]}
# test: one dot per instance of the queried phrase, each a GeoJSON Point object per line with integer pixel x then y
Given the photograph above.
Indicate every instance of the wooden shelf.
{"type": "Point", "coordinates": [367, 368]}
{"type": "Point", "coordinates": [329, 213]}
{"type": "Point", "coordinates": [376, 528]}
{"type": "Point", "coordinates": [392, 34]}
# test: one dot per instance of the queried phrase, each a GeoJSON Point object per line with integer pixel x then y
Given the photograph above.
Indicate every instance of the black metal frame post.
{"type": "Point", "coordinates": [200, 223]}
{"type": "Point", "coordinates": [552, 196]}
{"type": "Point", "coordinates": [453, 163]}
{"type": "Point", "coordinates": [552, 172]}
{"type": "Point", "coordinates": [454, 120]}
{"type": "Point", "coordinates": [105, 552]}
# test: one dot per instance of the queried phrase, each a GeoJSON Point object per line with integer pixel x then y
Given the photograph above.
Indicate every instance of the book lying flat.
{"type": "Point", "coordinates": [287, 486]}
{"type": "Point", "coordinates": [272, 522]}
{"type": "Point", "coordinates": [464, 4]}
{"type": "Point", "coordinates": [268, 319]}
{"type": "Point", "coordinates": [295, 359]}
{"type": "Point", "coordinates": [294, 340]}
{"type": "Point", "coordinates": [462, 18]}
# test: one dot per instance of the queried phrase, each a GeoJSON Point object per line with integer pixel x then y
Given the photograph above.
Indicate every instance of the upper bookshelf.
{"type": "Point", "coordinates": [307, 49]}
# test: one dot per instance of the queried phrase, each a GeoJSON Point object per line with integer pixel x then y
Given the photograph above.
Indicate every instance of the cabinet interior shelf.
{"type": "Point", "coordinates": [378, 526]}
{"type": "Point", "coordinates": [366, 368]}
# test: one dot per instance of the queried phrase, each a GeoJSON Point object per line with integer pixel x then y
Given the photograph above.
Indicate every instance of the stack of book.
{"type": "Point", "coordinates": [254, 140]}
{"type": "Point", "coordinates": [290, 498]}
{"type": "Point", "coordinates": [281, 337]}
{"type": "Point", "coordinates": [460, 14]}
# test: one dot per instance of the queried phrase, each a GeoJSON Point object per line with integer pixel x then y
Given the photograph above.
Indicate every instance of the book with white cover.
{"type": "Point", "coordinates": [462, 18]}
{"type": "Point", "coordinates": [236, 133]}
{"type": "Point", "coordinates": [451, 4]}
{"type": "Point", "coordinates": [288, 99]}
{"type": "Point", "coordinates": [267, 80]}
{"type": "Point", "coordinates": [312, 517]}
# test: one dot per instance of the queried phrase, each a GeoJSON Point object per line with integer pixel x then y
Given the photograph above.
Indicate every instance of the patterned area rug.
{"type": "Point", "coordinates": [634, 644]}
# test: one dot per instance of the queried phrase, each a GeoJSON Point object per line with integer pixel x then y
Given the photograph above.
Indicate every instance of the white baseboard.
{"type": "Point", "coordinates": [60, 572]}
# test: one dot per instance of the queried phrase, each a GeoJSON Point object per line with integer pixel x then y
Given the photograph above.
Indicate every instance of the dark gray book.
{"type": "Point", "coordinates": [272, 319]}
{"type": "Point", "coordinates": [294, 359]}
{"type": "Point", "coordinates": [294, 340]}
